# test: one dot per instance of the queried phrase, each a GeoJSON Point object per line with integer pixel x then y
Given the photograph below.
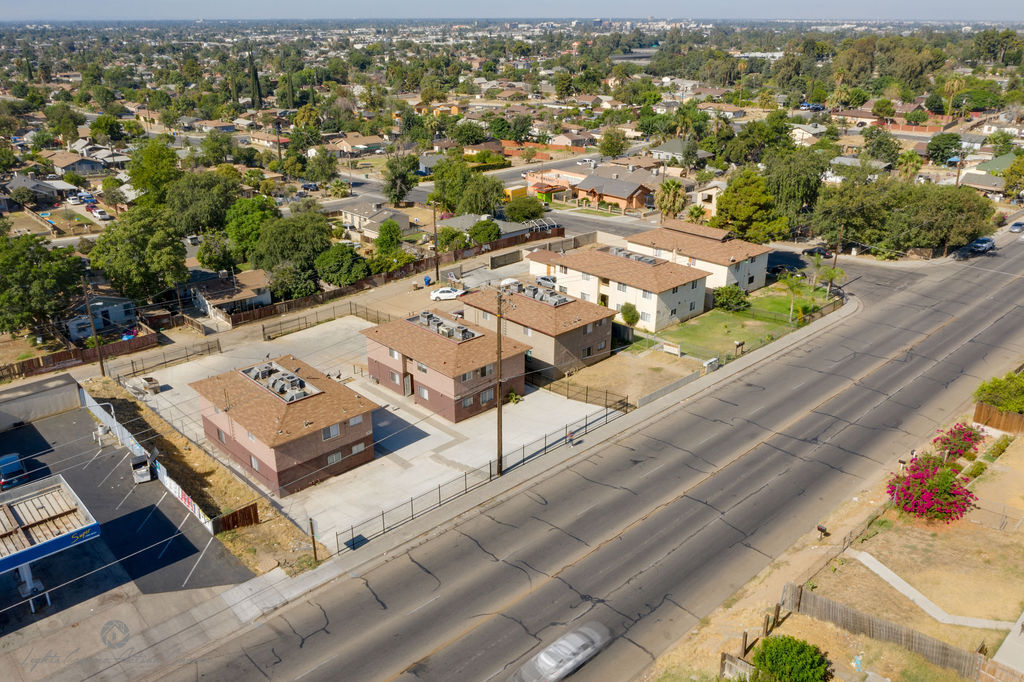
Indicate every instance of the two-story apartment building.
{"type": "Point", "coordinates": [564, 333]}
{"type": "Point", "coordinates": [664, 293]}
{"type": "Point", "coordinates": [444, 364]}
{"type": "Point", "coordinates": [286, 424]}
{"type": "Point", "coordinates": [728, 260]}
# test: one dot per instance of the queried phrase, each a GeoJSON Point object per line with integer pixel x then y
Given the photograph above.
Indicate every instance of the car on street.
{"type": "Point", "coordinates": [91, 208]}
{"type": "Point", "coordinates": [102, 215]}
{"type": "Point", "coordinates": [982, 245]}
{"type": "Point", "coordinates": [783, 268]}
{"type": "Point", "coordinates": [1017, 227]}
{"type": "Point", "coordinates": [446, 294]}
{"type": "Point", "coordinates": [817, 251]}
{"type": "Point", "coordinates": [565, 655]}
{"type": "Point", "coordinates": [546, 281]}
{"type": "Point", "coordinates": [12, 471]}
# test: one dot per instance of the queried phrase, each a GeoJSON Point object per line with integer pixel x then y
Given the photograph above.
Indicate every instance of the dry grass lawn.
{"type": "Point", "coordinates": [17, 348]}
{"type": "Point", "coordinates": [275, 541]}
{"type": "Point", "coordinates": [635, 375]}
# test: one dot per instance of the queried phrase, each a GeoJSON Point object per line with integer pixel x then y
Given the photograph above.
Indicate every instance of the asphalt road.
{"type": "Point", "coordinates": [651, 531]}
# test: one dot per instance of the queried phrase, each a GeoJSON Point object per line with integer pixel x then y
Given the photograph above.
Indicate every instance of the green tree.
{"type": "Point", "coordinates": [400, 177]}
{"type": "Point", "coordinates": [215, 252]}
{"type": "Point", "coordinates": [630, 315]}
{"type": "Point", "coordinates": [340, 265]}
{"type": "Point", "coordinates": [198, 202]}
{"type": "Point", "coordinates": [881, 145]}
{"type": "Point", "coordinates": [747, 210]}
{"type": "Point", "coordinates": [908, 163]}
{"type": "Point", "coordinates": [731, 297]}
{"type": "Point", "coordinates": [480, 195]}
{"type": "Point", "coordinates": [467, 132]}
{"type": "Point", "coordinates": [451, 175]}
{"type": "Point", "coordinates": [244, 223]}
{"type": "Point", "coordinates": [322, 167]}
{"type": "Point", "coordinates": [76, 179]}
{"type": "Point", "coordinates": [153, 167]}
{"type": "Point", "coordinates": [786, 658]}
{"type": "Point", "coordinates": [388, 262]}
{"type": "Point", "coordinates": [288, 281]}
{"type": "Point", "coordinates": [23, 196]}
{"type": "Point", "coordinates": [793, 285]}
{"type": "Point", "coordinates": [884, 108]}
{"type": "Point", "coordinates": [793, 178]}
{"type": "Point", "coordinates": [216, 148]}
{"type": "Point", "coordinates": [297, 240]}
{"type": "Point", "coordinates": [943, 147]}
{"type": "Point", "coordinates": [670, 198]}
{"type": "Point", "coordinates": [696, 214]}
{"type": "Point", "coordinates": [389, 237]}
{"type": "Point", "coordinates": [832, 276]}
{"type": "Point", "coordinates": [106, 128]}
{"type": "Point", "coordinates": [1014, 177]}
{"type": "Point", "coordinates": [36, 283]}
{"type": "Point", "coordinates": [139, 254]}
{"type": "Point", "coordinates": [521, 209]}
{"type": "Point", "coordinates": [1001, 141]}
{"type": "Point", "coordinates": [8, 159]}
{"type": "Point", "coordinates": [484, 231]}
{"type": "Point", "coordinates": [916, 117]}
{"type": "Point", "coordinates": [935, 104]}
{"type": "Point", "coordinates": [528, 154]}
{"type": "Point", "coordinates": [451, 239]}
{"type": "Point", "coordinates": [519, 128]}
{"type": "Point", "coordinates": [613, 143]}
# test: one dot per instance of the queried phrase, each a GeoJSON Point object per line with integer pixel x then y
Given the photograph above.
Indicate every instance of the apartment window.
{"type": "Point", "coordinates": [647, 295]}
{"type": "Point", "coordinates": [672, 312]}
{"type": "Point", "coordinates": [484, 315]}
{"type": "Point", "coordinates": [693, 284]}
{"type": "Point", "coordinates": [395, 379]}
{"type": "Point", "coordinates": [675, 290]}
{"type": "Point", "coordinates": [562, 270]}
{"type": "Point", "coordinates": [251, 437]}
{"type": "Point", "coordinates": [423, 392]}
{"type": "Point", "coordinates": [563, 289]}
{"type": "Point", "coordinates": [590, 328]}
{"type": "Point", "coordinates": [750, 279]}
{"type": "Point", "coordinates": [254, 463]}
{"type": "Point", "coordinates": [587, 352]}
{"type": "Point", "coordinates": [329, 432]}
{"type": "Point", "coordinates": [527, 331]}
{"type": "Point", "coordinates": [356, 420]}
{"type": "Point", "coordinates": [586, 277]}
{"type": "Point", "coordinates": [220, 436]}
{"type": "Point", "coordinates": [467, 402]}
{"type": "Point", "coordinates": [646, 317]}
{"type": "Point", "coordinates": [693, 305]}
{"type": "Point", "coordinates": [468, 376]}
{"type": "Point", "coordinates": [618, 307]}
{"type": "Point", "coordinates": [751, 259]}
{"type": "Point", "coordinates": [393, 354]}
{"type": "Point", "coordinates": [620, 286]}
{"type": "Point", "coordinates": [584, 296]}
{"type": "Point", "coordinates": [358, 447]}
{"type": "Point", "coordinates": [657, 253]}
{"type": "Point", "coordinates": [691, 262]}
{"type": "Point", "coordinates": [421, 367]}
{"type": "Point", "coordinates": [601, 345]}
{"type": "Point", "coordinates": [605, 281]}
{"type": "Point", "coordinates": [486, 396]}
{"type": "Point", "coordinates": [487, 370]}
{"type": "Point", "coordinates": [333, 458]}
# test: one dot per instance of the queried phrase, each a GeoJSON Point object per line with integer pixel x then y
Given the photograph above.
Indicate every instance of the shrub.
{"type": "Point", "coordinates": [781, 657]}
{"type": "Point", "coordinates": [930, 489]}
{"type": "Point", "coordinates": [1003, 393]}
{"type": "Point", "coordinates": [999, 447]}
{"type": "Point", "coordinates": [731, 297]}
{"type": "Point", "coordinates": [960, 440]}
{"type": "Point", "coordinates": [976, 469]}
{"type": "Point", "coordinates": [630, 315]}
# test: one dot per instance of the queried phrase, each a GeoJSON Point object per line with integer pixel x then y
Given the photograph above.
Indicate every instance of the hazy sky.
{"type": "Point", "coordinates": [56, 10]}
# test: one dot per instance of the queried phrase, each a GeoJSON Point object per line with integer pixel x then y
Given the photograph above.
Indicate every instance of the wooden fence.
{"type": "Point", "coordinates": [78, 356]}
{"type": "Point", "coordinates": [240, 518]}
{"type": "Point", "coordinates": [1010, 422]}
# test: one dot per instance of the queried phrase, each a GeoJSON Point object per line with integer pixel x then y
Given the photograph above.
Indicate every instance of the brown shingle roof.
{"type": "Point", "coordinates": [269, 418]}
{"type": "Point", "coordinates": [447, 356]}
{"type": "Point", "coordinates": [657, 277]}
{"type": "Point", "coordinates": [542, 317]}
{"type": "Point", "coordinates": [242, 286]}
{"type": "Point", "coordinates": [705, 231]}
{"type": "Point", "coordinates": [710, 250]}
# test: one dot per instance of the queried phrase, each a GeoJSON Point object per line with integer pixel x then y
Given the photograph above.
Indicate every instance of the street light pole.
{"type": "Point", "coordinates": [437, 259]}
{"type": "Point", "coordinates": [500, 465]}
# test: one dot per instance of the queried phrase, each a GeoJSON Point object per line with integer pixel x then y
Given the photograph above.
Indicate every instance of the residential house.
{"type": "Point", "coordinates": [368, 217]}
{"type": "Point", "coordinates": [428, 162]}
{"type": "Point", "coordinates": [573, 139]}
{"type": "Point", "coordinates": [727, 260]}
{"type": "Point", "coordinates": [64, 162]}
{"type": "Point", "coordinates": [108, 309]}
{"type": "Point", "coordinates": [707, 197]}
{"type": "Point", "coordinates": [219, 126]}
{"type": "Point", "coordinates": [285, 424]}
{"type": "Point", "coordinates": [564, 333]}
{"type": "Point", "coordinates": [43, 191]}
{"type": "Point", "coordinates": [664, 293]}
{"type": "Point", "coordinates": [468, 220]}
{"type": "Point", "coordinates": [492, 146]}
{"type": "Point", "coordinates": [722, 109]}
{"type": "Point", "coordinates": [834, 174]}
{"type": "Point", "coordinates": [444, 364]}
{"type": "Point", "coordinates": [625, 194]}
{"type": "Point", "coordinates": [670, 150]}
{"type": "Point", "coordinates": [268, 140]}
{"type": "Point", "coordinates": [991, 186]}
{"type": "Point", "coordinates": [998, 165]}
{"type": "Point", "coordinates": [230, 293]}
{"type": "Point", "coordinates": [806, 134]}
{"type": "Point", "coordinates": [856, 117]}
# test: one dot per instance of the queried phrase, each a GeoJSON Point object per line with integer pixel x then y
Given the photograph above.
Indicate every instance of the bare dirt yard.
{"type": "Point", "coordinates": [275, 541]}
{"type": "Point", "coordinates": [15, 348]}
{"type": "Point", "coordinates": [635, 375]}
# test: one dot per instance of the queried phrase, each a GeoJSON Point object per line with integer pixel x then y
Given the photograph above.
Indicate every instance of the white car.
{"type": "Point", "coordinates": [74, 201]}
{"type": "Point", "coordinates": [446, 294]}
{"type": "Point", "coordinates": [102, 215]}
{"type": "Point", "coordinates": [566, 655]}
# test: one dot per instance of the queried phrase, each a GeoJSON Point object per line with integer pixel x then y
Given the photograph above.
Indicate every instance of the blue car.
{"type": "Point", "coordinates": [12, 471]}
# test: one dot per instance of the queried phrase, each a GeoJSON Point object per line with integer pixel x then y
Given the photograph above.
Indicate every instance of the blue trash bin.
{"type": "Point", "coordinates": [426, 280]}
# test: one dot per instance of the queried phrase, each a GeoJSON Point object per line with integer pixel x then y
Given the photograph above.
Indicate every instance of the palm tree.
{"type": "Point", "coordinates": [832, 275]}
{"type": "Point", "coordinates": [817, 264]}
{"type": "Point", "coordinates": [696, 214]}
{"type": "Point", "coordinates": [951, 87]}
{"type": "Point", "coordinates": [792, 284]}
{"type": "Point", "coordinates": [908, 163]}
{"type": "Point", "coordinates": [670, 198]}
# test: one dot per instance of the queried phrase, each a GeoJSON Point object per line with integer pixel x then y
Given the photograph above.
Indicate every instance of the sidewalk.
{"type": "Point", "coordinates": [190, 632]}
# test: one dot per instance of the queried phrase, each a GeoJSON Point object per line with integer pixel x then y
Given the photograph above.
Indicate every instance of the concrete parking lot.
{"type": "Point", "coordinates": [139, 551]}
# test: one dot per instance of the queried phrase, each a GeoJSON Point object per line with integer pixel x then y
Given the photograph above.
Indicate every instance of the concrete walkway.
{"type": "Point", "coordinates": [929, 607]}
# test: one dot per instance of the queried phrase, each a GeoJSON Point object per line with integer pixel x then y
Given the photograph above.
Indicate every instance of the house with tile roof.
{"type": "Point", "coordinates": [663, 292]}
{"type": "Point", "coordinates": [230, 292]}
{"type": "Point", "coordinates": [286, 424]}
{"type": "Point", "coordinates": [564, 333]}
{"type": "Point", "coordinates": [728, 260]}
{"type": "Point", "coordinates": [444, 364]}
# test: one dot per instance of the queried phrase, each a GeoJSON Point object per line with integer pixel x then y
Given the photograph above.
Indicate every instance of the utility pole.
{"type": "Point", "coordinates": [839, 245]}
{"type": "Point", "coordinates": [280, 167]}
{"type": "Point", "coordinates": [437, 259]}
{"type": "Point", "coordinates": [500, 467]}
{"type": "Point", "coordinates": [92, 324]}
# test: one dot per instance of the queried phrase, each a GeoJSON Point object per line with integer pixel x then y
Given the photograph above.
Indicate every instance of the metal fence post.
{"type": "Point", "coordinates": [465, 481]}
{"type": "Point", "coordinates": [383, 526]}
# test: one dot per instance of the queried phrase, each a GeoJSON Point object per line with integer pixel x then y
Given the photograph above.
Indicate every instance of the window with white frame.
{"type": "Point", "coordinates": [467, 402]}
{"type": "Point", "coordinates": [584, 296]}
{"type": "Point", "coordinates": [585, 277]}
{"type": "Point", "coordinates": [647, 295]}
{"type": "Point", "coordinates": [466, 376]}
{"type": "Point", "coordinates": [329, 432]}
{"type": "Point", "coordinates": [563, 289]}
{"type": "Point", "coordinates": [693, 284]}
{"type": "Point", "coordinates": [620, 286]}
{"type": "Point", "coordinates": [394, 354]}
{"type": "Point", "coordinates": [484, 315]}
{"type": "Point", "coordinates": [395, 379]}
{"type": "Point", "coordinates": [333, 458]}
{"type": "Point", "coordinates": [486, 396]}
{"type": "Point", "coordinates": [646, 317]}
{"type": "Point", "coordinates": [421, 367]}
{"type": "Point", "coordinates": [589, 328]}
{"type": "Point", "coordinates": [527, 331]}
{"type": "Point", "coordinates": [220, 436]}
{"type": "Point", "coordinates": [358, 447]}
{"type": "Point", "coordinates": [251, 437]}
{"type": "Point", "coordinates": [487, 370]}
{"type": "Point", "coordinates": [601, 345]}
{"type": "Point", "coordinates": [254, 463]}
{"type": "Point", "coordinates": [693, 305]}
{"type": "Point", "coordinates": [691, 261]}
{"type": "Point", "coordinates": [618, 307]}
{"type": "Point", "coordinates": [657, 252]}
{"type": "Point", "coordinates": [562, 270]}
{"type": "Point", "coordinates": [587, 352]}
{"type": "Point", "coordinates": [422, 392]}
{"type": "Point", "coordinates": [356, 420]}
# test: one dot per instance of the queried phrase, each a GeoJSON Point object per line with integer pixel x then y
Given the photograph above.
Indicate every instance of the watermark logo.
{"type": "Point", "coordinates": [115, 634]}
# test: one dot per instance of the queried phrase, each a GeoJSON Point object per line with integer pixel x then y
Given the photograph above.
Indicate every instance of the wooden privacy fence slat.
{"type": "Point", "coordinates": [1011, 422]}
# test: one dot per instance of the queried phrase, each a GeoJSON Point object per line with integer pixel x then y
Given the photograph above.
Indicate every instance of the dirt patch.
{"type": "Point", "coordinates": [23, 223]}
{"type": "Point", "coordinates": [635, 375]}
{"type": "Point", "coordinates": [18, 348]}
{"type": "Point", "coordinates": [275, 541]}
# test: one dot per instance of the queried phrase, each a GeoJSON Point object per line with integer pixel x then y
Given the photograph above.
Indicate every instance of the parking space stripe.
{"type": "Point", "coordinates": [187, 577]}
{"type": "Point", "coordinates": [92, 459]}
{"type": "Point", "coordinates": [151, 512]}
{"type": "Point", "coordinates": [171, 539]}
{"type": "Point", "coordinates": [130, 491]}
{"type": "Point", "coordinates": [113, 468]}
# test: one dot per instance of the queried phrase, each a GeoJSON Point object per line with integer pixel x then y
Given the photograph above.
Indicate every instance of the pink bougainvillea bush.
{"type": "Point", "coordinates": [930, 489]}
{"type": "Point", "coordinates": [960, 440]}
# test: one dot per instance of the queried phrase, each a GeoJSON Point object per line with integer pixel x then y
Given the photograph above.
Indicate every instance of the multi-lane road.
{"type": "Point", "coordinates": [651, 530]}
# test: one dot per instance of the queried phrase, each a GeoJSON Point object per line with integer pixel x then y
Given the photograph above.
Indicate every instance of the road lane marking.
{"type": "Point", "coordinates": [409, 613]}
{"type": "Point", "coordinates": [171, 539]}
{"type": "Point", "coordinates": [151, 512]}
{"type": "Point", "coordinates": [187, 577]}
{"type": "Point", "coordinates": [654, 469]}
{"type": "Point", "coordinates": [315, 668]}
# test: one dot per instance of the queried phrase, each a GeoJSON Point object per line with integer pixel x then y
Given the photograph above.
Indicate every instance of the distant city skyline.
{"type": "Point", "coordinates": [867, 10]}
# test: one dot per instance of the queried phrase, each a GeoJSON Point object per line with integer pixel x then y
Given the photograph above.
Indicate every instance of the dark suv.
{"type": "Point", "coordinates": [12, 471]}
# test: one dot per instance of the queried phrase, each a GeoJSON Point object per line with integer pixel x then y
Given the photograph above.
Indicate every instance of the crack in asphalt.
{"type": "Point", "coordinates": [500, 523]}
{"type": "Point", "coordinates": [424, 569]}
{"type": "Point", "coordinates": [256, 665]}
{"type": "Point", "coordinates": [562, 530]}
{"type": "Point", "coordinates": [322, 628]}
{"type": "Point", "coordinates": [383, 606]}
{"type": "Point", "coordinates": [606, 485]}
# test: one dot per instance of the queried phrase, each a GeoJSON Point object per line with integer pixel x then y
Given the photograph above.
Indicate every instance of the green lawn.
{"type": "Point", "coordinates": [776, 298]}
